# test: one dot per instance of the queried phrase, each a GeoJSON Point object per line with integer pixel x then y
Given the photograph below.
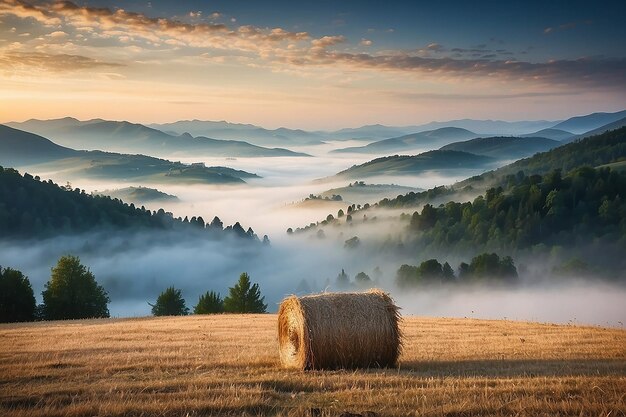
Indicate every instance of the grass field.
{"type": "Point", "coordinates": [228, 365]}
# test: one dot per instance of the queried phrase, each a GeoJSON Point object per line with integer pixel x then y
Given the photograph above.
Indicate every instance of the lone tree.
{"type": "Point", "coordinates": [17, 300]}
{"type": "Point", "coordinates": [170, 303]}
{"type": "Point", "coordinates": [209, 303]}
{"type": "Point", "coordinates": [73, 293]}
{"type": "Point", "coordinates": [244, 297]}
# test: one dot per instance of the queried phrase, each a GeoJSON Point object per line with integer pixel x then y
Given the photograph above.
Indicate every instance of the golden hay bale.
{"type": "Point", "coordinates": [339, 330]}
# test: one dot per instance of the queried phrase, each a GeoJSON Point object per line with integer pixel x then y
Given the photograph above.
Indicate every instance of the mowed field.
{"type": "Point", "coordinates": [228, 365]}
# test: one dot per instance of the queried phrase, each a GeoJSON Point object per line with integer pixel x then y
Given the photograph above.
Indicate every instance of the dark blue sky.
{"type": "Point", "coordinates": [579, 28]}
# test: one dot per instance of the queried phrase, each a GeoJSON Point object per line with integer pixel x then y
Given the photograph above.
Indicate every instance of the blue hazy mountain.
{"type": "Point", "coordinates": [504, 147]}
{"type": "Point", "coordinates": [550, 133]}
{"type": "Point", "coordinates": [439, 160]}
{"type": "Point", "coordinates": [242, 132]}
{"type": "Point", "coordinates": [430, 139]}
{"type": "Point", "coordinates": [583, 124]}
{"type": "Point", "coordinates": [19, 149]}
{"type": "Point", "coordinates": [98, 134]}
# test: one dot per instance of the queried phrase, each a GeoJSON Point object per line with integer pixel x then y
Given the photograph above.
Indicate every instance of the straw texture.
{"type": "Point", "coordinates": [339, 330]}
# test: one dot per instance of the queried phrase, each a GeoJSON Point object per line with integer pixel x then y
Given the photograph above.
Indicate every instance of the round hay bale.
{"type": "Point", "coordinates": [339, 330]}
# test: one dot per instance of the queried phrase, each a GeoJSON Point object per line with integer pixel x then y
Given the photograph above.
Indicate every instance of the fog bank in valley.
{"type": "Point", "coordinates": [135, 268]}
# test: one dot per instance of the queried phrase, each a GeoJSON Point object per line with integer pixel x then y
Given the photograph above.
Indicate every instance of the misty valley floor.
{"type": "Point", "coordinates": [228, 365]}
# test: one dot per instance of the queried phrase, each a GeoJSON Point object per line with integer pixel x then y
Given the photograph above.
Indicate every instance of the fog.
{"type": "Point", "coordinates": [135, 268]}
{"type": "Point", "coordinates": [577, 302]}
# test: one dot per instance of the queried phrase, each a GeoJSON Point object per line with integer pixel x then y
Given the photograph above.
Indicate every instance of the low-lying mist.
{"type": "Point", "coordinates": [575, 302]}
{"type": "Point", "coordinates": [135, 267]}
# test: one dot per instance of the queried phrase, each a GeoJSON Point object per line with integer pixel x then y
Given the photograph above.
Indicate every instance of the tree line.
{"type": "Point", "coordinates": [30, 207]}
{"type": "Point", "coordinates": [244, 297]}
{"type": "Point", "coordinates": [73, 293]}
{"type": "Point", "coordinates": [486, 267]}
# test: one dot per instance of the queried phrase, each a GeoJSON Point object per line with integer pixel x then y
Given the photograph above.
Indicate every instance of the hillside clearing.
{"type": "Point", "coordinates": [229, 364]}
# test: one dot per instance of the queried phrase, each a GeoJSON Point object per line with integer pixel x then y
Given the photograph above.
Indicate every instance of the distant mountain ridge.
{"type": "Point", "coordinates": [23, 148]}
{"type": "Point", "coordinates": [19, 148]}
{"type": "Point", "coordinates": [611, 126]}
{"type": "Point", "coordinates": [238, 131]}
{"type": "Point", "coordinates": [504, 147]}
{"type": "Point", "coordinates": [550, 133]}
{"type": "Point", "coordinates": [98, 134]}
{"type": "Point", "coordinates": [586, 123]}
{"type": "Point", "coordinates": [438, 160]}
{"type": "Point", "coordinates": [430, 139]}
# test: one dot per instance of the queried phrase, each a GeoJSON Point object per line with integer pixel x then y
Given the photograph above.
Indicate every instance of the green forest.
{"type": "Point", "coordinates": [30, 207]}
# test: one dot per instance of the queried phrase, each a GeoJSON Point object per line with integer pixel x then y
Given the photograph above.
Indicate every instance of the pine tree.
{"type": "Point", "coordinates": [209, 303]}
{"type": "Point", "coordinates": [170, 303]}
{"type": "Point", "coordinates": [244, 297]}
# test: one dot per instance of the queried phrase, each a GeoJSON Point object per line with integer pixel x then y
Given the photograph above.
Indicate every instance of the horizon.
{"type": "Point", "coordinates": [314, 67]}
{"type": "Point", "coordinates": [148, 123]}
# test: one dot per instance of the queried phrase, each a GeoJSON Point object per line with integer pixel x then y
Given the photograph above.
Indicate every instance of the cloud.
{"type": "Point", "coordinates": [327, 41]}
{"type": "Point", "coordinates": [27, 11]}
{"type": "Point", "coordinates": [57, 34]}
{"type": "Point", "coordinates": [454, 97]}
{"type": "Point", "coordinates": [156, 30]}
{"type": "Point", "coordinates": [434, 47]}
{"type": "Point", "coordinates": [590, 72]}
{"type": "Point", "coordinates": [566, 26]}
{"type": "Point", "coordinates": [16, 62]}
{"type": "Point", "coordinates": [283, 50]}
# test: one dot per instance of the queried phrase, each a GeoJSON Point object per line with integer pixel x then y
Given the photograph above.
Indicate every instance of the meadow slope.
{"type": "Point", "coordinates": [228, 365]}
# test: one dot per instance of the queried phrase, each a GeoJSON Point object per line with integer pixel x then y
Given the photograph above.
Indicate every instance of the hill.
{"type": "Point", "coordinates": [19, 148]}
{"type": "Point", "coordinates": [490, 127]}
{"type": "Point", "coordinates": [582, 124]}
{"type": "Point", "coordinates": [138, 195]}
{"type": "Point", "coordinates": [555, 134]}
{"type": "Point", "coordinates": [360, 193]}
{"type": "Point", "coordinates": [408, 165]}
{"type": "Point", "coordinates": [22, 148]}
{"type": "Point", "coordinates": [228, 365]}
{"type": "Point", "coordinates": [368, 132]}
{"type": "Point", "coordinates": [124, 136]}
{"type": "Point", "coordinates": [504, 147]}
{"type": "Point", "coordinates": [594, 151]}
{"type": "Point", "coordinates": [611, 126]}
{"type": "Point", "coordinates": [237, 131]}
{"type": "Point", "coordinates": [424, 140]}
{"type": "Point", "coordinates": [32, 208]}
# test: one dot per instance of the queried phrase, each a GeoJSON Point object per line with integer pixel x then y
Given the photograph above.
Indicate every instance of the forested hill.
{"type": "Point", "coordinates": [593, 151]}
{"type": "Point", "coordinates": [586, 207]}
{"type": "Point", "coordinates": [32, 208]}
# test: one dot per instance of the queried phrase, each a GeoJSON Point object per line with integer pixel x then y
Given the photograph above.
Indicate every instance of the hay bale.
{"type": "Point", "coordinates": [339, 330]}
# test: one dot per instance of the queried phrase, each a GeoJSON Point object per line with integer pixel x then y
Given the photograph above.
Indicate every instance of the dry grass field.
{"type": "Point", "coordinates": [228, 365]}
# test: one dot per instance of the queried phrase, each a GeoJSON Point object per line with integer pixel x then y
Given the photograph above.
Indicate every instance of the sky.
{"type": "Point", "coordinates": [312, 65]}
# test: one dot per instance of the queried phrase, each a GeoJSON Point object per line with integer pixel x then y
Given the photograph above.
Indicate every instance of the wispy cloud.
{"type": "Point", "coordinates": [284, 50]}
{"type": "Point", "coordinates": [566, 26]}
{"type": "Point", "coordinates": [454, 96]}
{"type": "Point", "coordinates": [27, 61]}
{"type": "Point", "coordinates": [589, 72]}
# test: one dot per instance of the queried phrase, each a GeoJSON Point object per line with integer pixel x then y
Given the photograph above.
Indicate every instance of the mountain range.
{"type": "Point", "coordinates": [409, 165]}
{"type": "Point", "coordinates": [429, 139]}
{"type": "Point", "coordinates": [504, 148]}
{"type": "Point", "coordinates": [98, 134]}
{"type": "Point", "coordinates": [238, 131]}
{"type": "Point", "coordinates": [19, 148]}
